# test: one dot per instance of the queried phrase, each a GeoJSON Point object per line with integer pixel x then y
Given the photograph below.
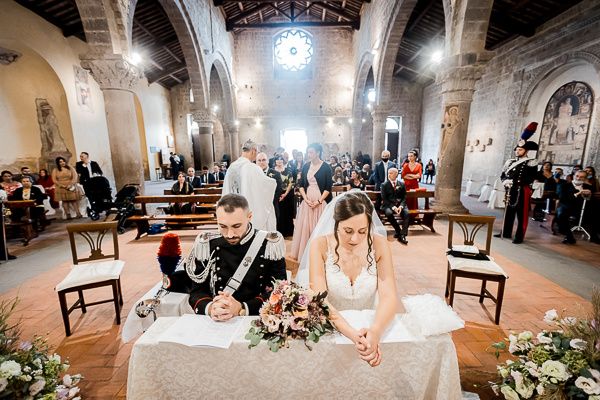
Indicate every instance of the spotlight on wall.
{"type": "Point", "coordinates": [363, 120]}
{"type": "Point", "coordinates": [136, 58]}
{"type": "Point", "coordinates": [257, 121]}
{"type": "Point", "coordinates": [329, 121]}
{"type": "Point", "coordinates": [236, 122]}
{"type": "Point", "coordinates": [371, 95]}
{"type": "Point", "coordinates": [215, 108]}
{"type": "Point", "coordinates": [350, 121]}
{"type": "Point", "coordinates": [437, 56]}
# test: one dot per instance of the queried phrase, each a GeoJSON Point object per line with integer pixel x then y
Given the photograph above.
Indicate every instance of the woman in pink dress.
{"type": "Point", "coordinates": [315, 189]}
{"type": "Point", "coordinates": [411, 173]}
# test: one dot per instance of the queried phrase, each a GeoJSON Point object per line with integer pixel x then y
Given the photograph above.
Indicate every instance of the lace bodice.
{"type": "Point", "coordinates": [342, 294]}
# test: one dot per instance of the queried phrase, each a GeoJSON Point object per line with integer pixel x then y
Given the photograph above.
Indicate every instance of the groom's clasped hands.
{"type": "Point", "coordinates": [366, 343]}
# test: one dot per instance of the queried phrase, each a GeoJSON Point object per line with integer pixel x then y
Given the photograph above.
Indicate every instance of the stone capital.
{"type": "Point", "coordinates": [203, 117]}
{"type": "Point", "coordinates": [379, 114]}
{"type": "Point", "coordinates": [8, 56]}
{"type": "Point", "coordinates": [113, 72]}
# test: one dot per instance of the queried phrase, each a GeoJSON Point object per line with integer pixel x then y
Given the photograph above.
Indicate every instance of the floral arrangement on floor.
{"type": "Point", "coordinates": [563, 363]}
{"type": "Point", "coordinates": [28, 370]}
{"type": "Point", "coordinates": [291, 312]}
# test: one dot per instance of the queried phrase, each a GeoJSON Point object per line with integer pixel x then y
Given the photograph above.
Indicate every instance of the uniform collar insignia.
{"type": "Point", "coordinates": [249, 234]}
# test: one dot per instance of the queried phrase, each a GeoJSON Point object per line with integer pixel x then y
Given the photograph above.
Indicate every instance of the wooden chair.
{"type": "Point", "coordinates": [92, 274]}
{"type": "Point", "coordinates": [335, 190]}
{"type": "Point", "coordinates": [474, 269]}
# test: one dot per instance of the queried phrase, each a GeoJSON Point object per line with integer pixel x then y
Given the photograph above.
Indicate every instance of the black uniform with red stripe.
{"type": "Point", "coordinates": [522, 173]}
{"type": "Point", "coordinates": [256, 285]}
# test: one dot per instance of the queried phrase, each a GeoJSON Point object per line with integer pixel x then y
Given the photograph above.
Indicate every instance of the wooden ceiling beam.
{"type": "Point", "coordinates": [157, 41]}
{"type": "Point", "coordinates": [247, 14]}
{"type": "Point", "coordinates": [507, 24]}
{"type": "Point", "coordinates": [338, 12]}
{"type": "Point", "coordinates": [345, 24]}
{"type": "Point", "coordinates": [168, 73]}
{"type": "Point", "coordinates": [411, 69]}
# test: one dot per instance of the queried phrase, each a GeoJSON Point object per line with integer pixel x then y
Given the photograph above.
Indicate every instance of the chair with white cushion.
{"type": "Point", "coordinates": [483, 270]}
{"type": "Point", "coordinates": [97, 270]}
{"type": "Point", "coordinates": [486, 189]}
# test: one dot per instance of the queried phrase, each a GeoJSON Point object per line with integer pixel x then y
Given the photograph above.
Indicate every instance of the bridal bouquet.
{"type": "Point", "coordinates": [563, 363]}
{"type": "Point", "coordinates": [28, 370]}
{"type": "Point", "coordinates": [291, 312]}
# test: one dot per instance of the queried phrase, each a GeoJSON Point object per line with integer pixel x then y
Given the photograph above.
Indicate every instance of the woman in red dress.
{"type": "Point", "coordinates": [411, 173]}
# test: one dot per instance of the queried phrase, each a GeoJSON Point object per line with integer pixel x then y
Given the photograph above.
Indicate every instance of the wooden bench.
{"type": "Point", "coordinates": [24, 226]}
{"type": "Point", "coordinates": [202, 190]}
{"type": "Point", "coordinates": [201, 200]}
{"type": "Point", "coordinates": [421, 216]}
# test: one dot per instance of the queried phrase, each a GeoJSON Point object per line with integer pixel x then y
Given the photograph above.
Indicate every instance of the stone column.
{"type": "Point", "coordinates": [204, 144]}
{"type": "Point", "coordinates": [234, 136]}
{"type": "Point", "coordinates": [117, 78]}
{"type": "Point", "coordinates": [379, 115]}
{"type": "Point", "coordinates": [458, 85]}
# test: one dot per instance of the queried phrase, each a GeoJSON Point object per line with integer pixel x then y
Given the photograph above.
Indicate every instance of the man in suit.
{"type": "Point", "coordinates": [86, 169]}
{"type": "Point", "coordinates": [214, 292]}
{"type": "Point", "coordinates": [30, 192]}
{"type": "Point", "coordinates": [381, 169]}
{"type": "Point", "coordinates": [393, 203]}
{"type": "Point", "coordinates": [192, 179]}
{"type": "Point", "coordinates": [261, 161]}
{"type": "Point", "coordinates": [217, 174]}
{"type": "Point", "coordinates": [206, 177]}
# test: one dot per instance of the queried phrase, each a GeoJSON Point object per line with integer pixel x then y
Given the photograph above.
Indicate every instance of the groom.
{"type": "Point", "coordinates": [231, 278]}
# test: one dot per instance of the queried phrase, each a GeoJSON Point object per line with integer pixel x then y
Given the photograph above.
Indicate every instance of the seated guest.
{"type": "Point", "coordinates": [338, 177]}
{"type": "Point", "coordinates": [206, 177]}
{"type": "Point", "coordinates": [393, 202]}
{"type": "Point", "coordinates": [223, 169]}
{"type": "Point", "coordinates": [355, 181]}
{"type": "Point", "coordinates": [30, 192]}
{"type": "Point", "coordinates": [45, 181]}
{"type": "Point", "coordinates": [8, 185]}
{"type": "Point", "coordinates": [333, 162]}
{"type": "Point", "coordinates": [571, 196]}
{"type": "Point", "coordinates": [545, 176]}
{"type": "Point", "coordinates": [592, 178]}
{"type": "Point", "coordinates": [365, 173]}
{"type": "Point", "coordinates": [217, 174]}
{"type": "Point", "coordinates": [192, 179]}
{"type": "Point", "coordinates": [27, 171]}
{"type": "Point", "coordinates": [182, 187]}
{"type": "Point", "coordinates": [348, 171]}
{"type": "Point", "coordinates": [213, 292]}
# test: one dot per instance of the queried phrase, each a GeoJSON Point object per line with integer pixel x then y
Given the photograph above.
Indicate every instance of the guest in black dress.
{"type": "Point", "coordinates": [285, 222]}
{"type": "Point", "coordinates": [181, 187]}
{"type": "Point", "coordinates": [355, 181]}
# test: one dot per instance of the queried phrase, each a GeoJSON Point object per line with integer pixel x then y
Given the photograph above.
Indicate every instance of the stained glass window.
{"type": "Point", "coordinates": [293, 50]}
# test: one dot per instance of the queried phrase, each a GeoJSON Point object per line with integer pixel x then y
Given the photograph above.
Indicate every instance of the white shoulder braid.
{"type": "Point", "coordinates": [201, 249]}
{"type": "Point", "coordinates": [275, 248]}
{"type": "Point", "coordinates": [533, 162]}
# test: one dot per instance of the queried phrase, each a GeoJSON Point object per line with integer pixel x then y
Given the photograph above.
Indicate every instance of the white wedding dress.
{"type": "Point", "coordinates": [346, 295]}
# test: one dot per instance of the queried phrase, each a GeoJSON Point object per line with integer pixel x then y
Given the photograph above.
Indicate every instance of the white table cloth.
{"type": "Point", "coordinates": [171, 305]}
{"type": "Point", "coordinates": [425, 369]}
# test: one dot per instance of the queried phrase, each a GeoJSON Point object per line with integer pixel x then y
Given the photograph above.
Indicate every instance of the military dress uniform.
{"type": "Point", "coordinates": [517, 175]}
{"type": "Point", "coordinates": [214, 261]}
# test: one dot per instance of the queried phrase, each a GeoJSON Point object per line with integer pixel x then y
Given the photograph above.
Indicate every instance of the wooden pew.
{"type": "Point", "coordinates": [421, 216]}
{"type": "Point", "coordinates": [24, 226]}
{"type": "Point", "coordinates": [207, 201]}
{"type": "Point", "coordinates": [202, 190]}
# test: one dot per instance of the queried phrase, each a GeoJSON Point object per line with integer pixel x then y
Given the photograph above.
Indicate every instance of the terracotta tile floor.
{"type": "Point", "coordinates": [95, 349]}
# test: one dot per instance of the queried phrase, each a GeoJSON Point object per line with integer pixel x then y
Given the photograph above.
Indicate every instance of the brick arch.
{"type": "Point", "coordinates": [227, 96]}
{"type": "Point", "coordinates": [390, 45]}
{"type": "Point", "coordinates": [104, 31]}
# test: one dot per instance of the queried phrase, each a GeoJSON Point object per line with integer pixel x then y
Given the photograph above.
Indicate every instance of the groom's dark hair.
{"type": "Point", "coordinates": [231, 202]}
{"type": "Point", "coordinates": [349, 205]}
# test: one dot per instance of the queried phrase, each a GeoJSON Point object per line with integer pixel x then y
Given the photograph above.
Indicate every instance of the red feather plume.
{"type": "Point", "coordinates": [169, 245]}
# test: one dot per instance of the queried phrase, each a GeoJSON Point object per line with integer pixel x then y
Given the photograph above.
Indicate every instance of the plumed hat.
{"type": "Point", "coordinates": [528, 132]}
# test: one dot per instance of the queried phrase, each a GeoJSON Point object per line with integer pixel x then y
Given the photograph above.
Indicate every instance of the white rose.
{"type": "Point", "coordinates": [595, 374]}
{"type": "Point", "coordinates": [503, 372]}
{"type": "Point", "coordinates": [517, 376]}
{"type": "Point", "coordinates": [542, 338]}
{"type": "Point", "coordinates": [525, 336]}
{"type": "Point", "coordinates": [532, 368]}
{"type": "Point", "coordinates": [67, 381]}
{"type": "Point", "coordinates": [578, 344]}
{"type": "Point", "coordinates": [525, 389]}
{"type": "Point", "coordinates": [589, 386]}
{"type": "Point", "coordinates": [509, 393]}
{"type": "Point", "coordinates": [10, 368]}
{"type": "Point", "coordinates": [539, 389]}
{"type": "Point", "coordinates": [55, 358]}
{"type": "Point", "coordinates": [555, 369]}
{"type": "Point", "coordinates": [3, 384]}
{"type": "Point", "coordinates": [37, 387]}
{"type": "Point", "coordinates": [73, 391]}
{"type": "Point", "coordinates": [551, 316]}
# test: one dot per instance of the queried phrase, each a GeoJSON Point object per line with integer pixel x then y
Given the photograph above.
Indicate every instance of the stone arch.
{"type": "Point", "coordinates": [360, 80]}
{"type": "Point", "coordinates": [221, 92]}
{"type": "Point", "coordinates": [223, 70]}
{"type": "Point", "coordinates": [537, 78]}
{"type": "Point", "coordinates": [467, 24]}
{"type": "Point", "coordinates": [104, 31]}
{"type": "Point", "coordinates": [186, 35]}
{"type": "Point", "coordinates": [390, 45]}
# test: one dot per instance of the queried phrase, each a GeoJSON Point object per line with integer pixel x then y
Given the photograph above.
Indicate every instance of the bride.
{"type": "Point", "coordinates": [349, 257]}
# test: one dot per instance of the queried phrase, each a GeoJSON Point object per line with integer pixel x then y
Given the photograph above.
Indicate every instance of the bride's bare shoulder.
{"type": "Point", "coordinates": [379, 242]}
{"type": "Point", "coordinates": [320, 242]}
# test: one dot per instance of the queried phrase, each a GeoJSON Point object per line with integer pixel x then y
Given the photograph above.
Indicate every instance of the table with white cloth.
{"type": "Point", "coordinates": [411, 369]}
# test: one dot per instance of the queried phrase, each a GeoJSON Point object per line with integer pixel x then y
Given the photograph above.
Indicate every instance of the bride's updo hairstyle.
{"type": "Point", "coordinates": [350, 205]}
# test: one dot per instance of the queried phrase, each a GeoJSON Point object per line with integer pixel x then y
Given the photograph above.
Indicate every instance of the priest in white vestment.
{"type": "Point", "coordinates": [247, 179]}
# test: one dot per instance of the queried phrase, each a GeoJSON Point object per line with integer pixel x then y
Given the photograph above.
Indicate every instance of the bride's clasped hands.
{"type": "Point", "coordinates": [353, 264]}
